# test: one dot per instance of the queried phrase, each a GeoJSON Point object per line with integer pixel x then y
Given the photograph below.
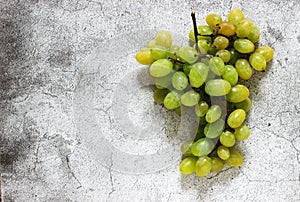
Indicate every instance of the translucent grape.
{"type": "Point", "coordinates": [151, 44]}
{"type": "Point", "coordinates": [238, 93]}
{"type": "Point", "coordinates": [227, 139]}
{"type": "Point", "coordinates": [201, 108]}
{"type": "Point", "coordinates": [243, 45]}
{"type": "Point", "coordinates": [266, 51]}
{"type": "Point", "coordinates": [254, 34]}
{"type": "Point", "coordinates": [164, 38]}
{"type": "Point", "coordinates": [215, 129]}
{"type": "Point", "coordinates": [221, 42]}
{"type": "Point", "coordinates": [187, 165]}
{"type": "Point", "coordinates": [224, 55]}
{"type": "Point", "coordinates": [213, 113]}
{"type": "Point", "coordinates": [243, 68]}
{"type": "Point", "coordinates": [179, 81]}
{"type": "Point", "coordinates": [204, 30]}
{"type": "Point", "coordinates": [159, 95]}
{"type": "Point", "coordinates": [186, 147]}
{"type": "Point", "coordinates": [235, 158]}
{"type": "Point", "coordinates": [198, 74]}
{"type": "Point", "coordinates": [213, 19]}
{"type": "Point", "coordinates": [188, 54]}
{"type": "Point", "coordinates": [235, 16]}
{"type": "Point", "coordinates": [172, 100]}
{"type": "Point", "coordinates": [159, 52]}
{"type": "Point", "coordinates": [217, 65]}
{"type": "Point", "coordinates": [236, 118]}
{"type": "Point", "coordinates": [242, 132]}
{"type": "Point", "coordinates": [217, 87]}
{"type": "Point", "coordinates": [203, 166]}
{"type": "Point", "coordinates": [202, 147]}
{"type": "Point", "coordinates": [161, 68]}
{"type": "Point", "coordinates": [217, 164]}
{"type": "Point", "coordinates": [245, 105]}
{"type": "Point", "coordinates": [244, 28]}
{"type": "Point", "coordinates": [144, 57]}
{"type": "Point", "coordinates": [223, 152]}
{"type": "Point", "coordinates": [230, 75]}
{"type": "Point", "coordinates": [234, 56]}
{"type": "Point", "coordinates": [226, 29]}
{"type": "Point", "coordinates": [203, 46]}
{"type": "Point", "coordinates": [257, 61]}
{"type": "Point", "coordinates": [190, 98]}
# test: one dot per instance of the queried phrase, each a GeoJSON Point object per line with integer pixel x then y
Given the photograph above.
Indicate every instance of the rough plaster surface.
{"type": "Point", "coordinates": [43, 49]}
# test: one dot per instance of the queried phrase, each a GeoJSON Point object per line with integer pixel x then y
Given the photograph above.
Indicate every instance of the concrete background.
{"type": "Point", "coordinates": [44, 46]}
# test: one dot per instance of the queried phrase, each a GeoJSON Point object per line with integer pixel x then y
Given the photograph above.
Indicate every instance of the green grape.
{"type": "Point", "coordinates": [223, 152]}
{"type": "Point", "coordinates": [144, 57]}
{"type": "Point", "coordinates": [243, 45]}
{"type": "Point", "coordinates": [254, 34]}
{"type": "Point", "coordinates": [227, 139]}
{"type": "Point", "coordinates": [235, 16]}
{"type": "Point", "coordinates": [212, 50]}
{"type": "Point", "coordinates": [187, 165]}
{"type": "Point", "coordinates": [188, 54]}
{"type": "Point", "coordinates": [215, 129]}
{"type": "Point", "coordinates": [217, 87]}
{"type": "Point", "coordinates": [217, 164]}
{"type": "Point", "coordinates": [190, 98]}
{"type": "Point", "coordinates": [203, 166]}
{"type": "Point", "coordinates": [159, 52]}
{"type": "Point", "coordinates": [238, 93]}
{"type": "Point", "coordinates": [159, 95]}
{"type": "Point", "coordinates": [186, 147]}
{"type": "Point", "coordinates": [213, 19]}
{"type": "Point", "coordinates": [203, 46]}
{"type": "Point", "coordinates": [226, 29]}
{"type": "Point", "coordinates": [217, 65]}
{"type": "Point", "coordinates": [266, 51]}
{"type": "Point", "coordinates": [172, 100]}
{"type": "Point", "coordinates": [245, 105]}
{"type": "Point", "coordinates": [236, 118]}
{"type": "Point", "coordinates": [173, 51]}
{"type": "Point", "coordinates": [204, 30]}
{"type": "Point", "coordinates": [213, 113]}
{"type": "Point", "coordinates": [244, 28]}
{"type": "Point", "coordinates": [243, 68]}
{"type": "Point", "coordinates": [201, 109]}
{"type": "Point", "coordinates": [202, 147]}
{"type": "Point", "coordinates": [187, 68]}
{"type": "Point", "coordinates": [221, 42]}
{"type": "Point", "coordinates": [230, 75]}
{"type": "Point", "coordinates": [179, 81]}
{"type": "Point", "coordinates": [151, 44]}
{"type": "Point", "coordinates": [257, 61]}
{"type": "Point", "coordinates": [164, 38]}
{"type": "Point", "coordinates": [163, 82]}
{"type": "Point", "coordinates": [235, 158]}
{"type": "Point", "coordinates": [242, 132]}
{"type": "Point", "coordinates": [198, 74]}
{"type": "Point", "coordinates": [234, 55]}
{"type": "Point", "coordinates": [161, 68]}
{"type": "Point", "coordinates": [224, 55]}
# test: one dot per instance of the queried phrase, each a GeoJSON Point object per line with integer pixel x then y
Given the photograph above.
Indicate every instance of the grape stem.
{"type": "Point", "coordinates": [195, 30]}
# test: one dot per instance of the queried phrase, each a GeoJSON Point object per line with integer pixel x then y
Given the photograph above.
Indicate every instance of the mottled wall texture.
{"type": "Point", "coordinates": [46, 52]}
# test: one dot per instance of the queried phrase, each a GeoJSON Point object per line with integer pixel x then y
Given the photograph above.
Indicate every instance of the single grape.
{"type": "Point", "coordinates": [217, 164]}
{"type": "Point", "coordinates": [172, 100]}
{"type": "Point", "coordinates": [203, 46]}
{"type": "Point", "coordinates": [244, 28]}
{"type": "Point", "coordinates": [204, 30]}
{"type": "Point", "coordinates": [257, 61]}
{"type": "Point", "coordinates": [198, 74]}
{"type": "Point", "coordinates": [217, 65]}
{"type": "Point", "coordinates": [161, 68]}
{"type": "Point", "coordinates": [164, 38]}
{"type": "Point", "coordinates": [188, 54]}
{"type": "Point", "coordinates": [215, 129]}
{"type": "Point", "coordinates": [159, 95]}
{"type": "Point", "coordinates": [230, 75]}
{"type": "Point", "coordinates": [186, 147]}
{"type": "Point", "coordinates": [226, 29]}
{"type": "Point", "coordinates": [179, 81]}
{"type": "Point", "coordinates": [235, 16]}
{"type": "Point", "coordinates": [187, 165]}
{"type": "Point", "coordinates": [254, 34]}
{"type": "Point", "coordinates": [173, 52]}
{"type": "Point", "coordinates": [151, 44]}
{"type": "Point", "coordinates": [212, 50]}
{"type": "Point", "coordinates": [243, 45]}
{"type": "Point", "coordinates": [266, 51]}
{"type": "Point", "coordinates": [213, 19]}
{"type": "Point", "coordinates": [202, 147]}
{"type": "Point", "coordinates": [213, 113]}
{"type": "Point", "coordinates": [221, 42]}
{"type": "Point", "coordinates": [223, 152]}
{"type": "Point", "coordinates": [159, 52]}
{"type": "Point", "coordinates": [243, 68]}
{"type": "Point", "coordinates": [144, 57]}
{"type": "Point", "coordinates": [217, 87]}
{"type": "Point", "coordinates": [163, 82]}
{"type": "Point", "coordinates": [238, 93]}
{"type": "Point", "coordinates": [242, 132]}
{"type": "Point", "coordinates": [227, 139]}
{"type": "Point", "coordinates": [203, 166]}
{"type": "Point", "coordinates": [234, 56]}
{"type": "Point", "coordinates": [224, 55]}
{"type": "Point", "coordinates": [190, 98]}
{"type": "Point", "coordinates": [236, 118]}
{"type": "Point", "coordinates": [245, 105]}
{"type": "Point", "coordinates": [201, 109]}
{"type": "Point", "coordinates": [235, 158]}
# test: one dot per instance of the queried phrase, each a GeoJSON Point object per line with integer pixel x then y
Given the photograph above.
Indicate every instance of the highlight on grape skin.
{"type": "Point", "coordinates": [221, 53]}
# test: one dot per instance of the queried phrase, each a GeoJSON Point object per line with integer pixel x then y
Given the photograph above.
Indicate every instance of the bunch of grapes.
{"type": "Point", "coordinates": [204, 76]}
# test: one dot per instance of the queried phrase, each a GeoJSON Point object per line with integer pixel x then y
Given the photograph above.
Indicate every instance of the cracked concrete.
{"type": "Point", "coordinates": [44, 49]}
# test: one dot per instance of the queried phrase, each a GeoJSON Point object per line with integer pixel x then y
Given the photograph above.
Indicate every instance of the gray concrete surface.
{"type": "Point", "coordinates": [46, 49]}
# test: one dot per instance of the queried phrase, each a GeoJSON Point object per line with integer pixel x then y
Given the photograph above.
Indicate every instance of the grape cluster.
{"type": "Point", "coordinates": [204, 76]}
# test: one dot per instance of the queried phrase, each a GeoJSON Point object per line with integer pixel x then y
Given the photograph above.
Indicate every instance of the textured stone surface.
{"type": "Point", "coordinates": [42, 48]}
